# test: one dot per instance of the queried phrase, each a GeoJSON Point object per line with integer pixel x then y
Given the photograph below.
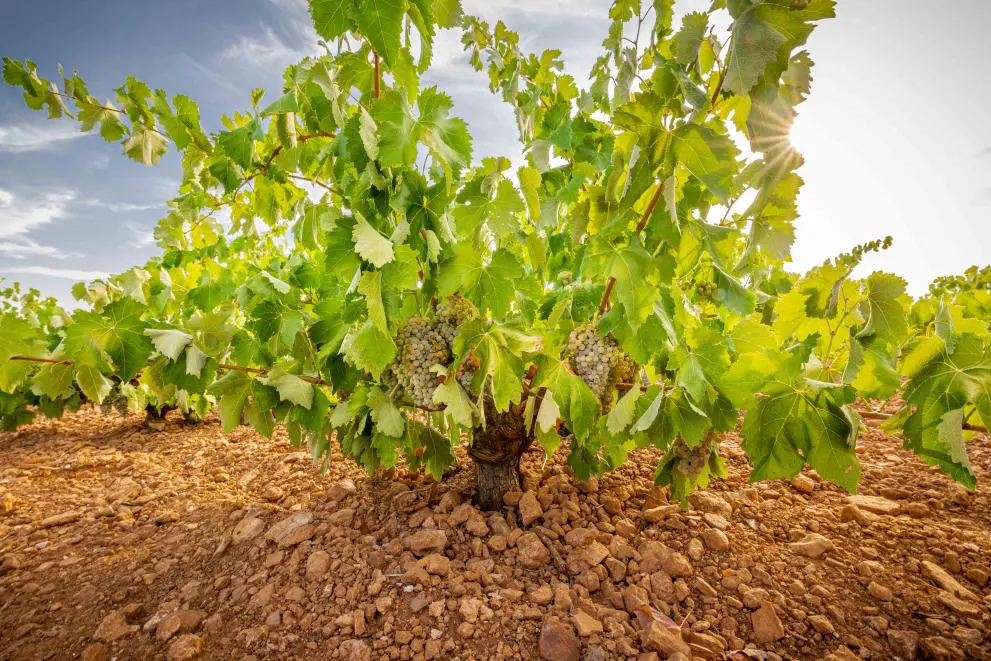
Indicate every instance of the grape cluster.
{"type": "Point", "coordinates": [599, 361]}
{"type": "Point", "coordinates": [115, 401]}
{"type": "Point", "coordinates": [420, 347]}
{"type": "Point", "coordinates": [423, 343]}
{"type": "Point", "coordinates": [451, 313]}
{"type": "Point", "coordinates": [704, 288]}
{"type": "Point", "coordinates": [691, 460]}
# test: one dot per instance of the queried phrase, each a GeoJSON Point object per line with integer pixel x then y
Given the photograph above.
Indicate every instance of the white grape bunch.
{"type": "Point", "coordinates": [452, 312]}
{"type": "Point", "coordinates": [599, 361]}
{"type": "Point", "coordinates": [420, 347]}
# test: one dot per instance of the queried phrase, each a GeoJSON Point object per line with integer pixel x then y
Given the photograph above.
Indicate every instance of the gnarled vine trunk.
{"type": "Point", "coordinates": [496, 451]}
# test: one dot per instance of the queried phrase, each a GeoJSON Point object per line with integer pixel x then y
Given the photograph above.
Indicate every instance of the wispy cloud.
{"type": "Point", "coordinates": [66, 274]}
{"type": "Point", "coordinates": [34, 137]}
{"type": "Point", "coordinates": [24, 248]}
{"type": "Point", "coordinates": [123, 207]}
{"type": "Point", "coordinates": [266, 51]}
{"type": "Point", "coordinates": [20, 215]}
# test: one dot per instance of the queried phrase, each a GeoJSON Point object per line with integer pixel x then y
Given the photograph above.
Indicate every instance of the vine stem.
{"type": "Point", "coordinates": [229, 368]}
{"type": "Point", "coordinates": [874, 415]}
{"type": "Point", "coordinates": [648, 212]}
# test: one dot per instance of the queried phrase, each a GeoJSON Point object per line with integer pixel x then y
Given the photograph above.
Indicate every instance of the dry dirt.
{"type": "Point", "coordinates": [120, 543]}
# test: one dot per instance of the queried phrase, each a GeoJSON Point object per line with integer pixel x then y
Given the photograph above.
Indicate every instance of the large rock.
{"type": "Point", "coordinates": [664, 640]}
{"type": "Point", "coordinates": [343, 517]}
{"type": "Point", "coordinates": [944, 580]}
{"type": "Point", "coordinates": [317, 565]}
{"type": "Point", "coordinates": [247, 529]}
{"type": "Point", "coordinates": [812, 545]}
{"type": "Point", "coordinates": [185, 647]}
{"type": "Point", "coordinates": [530, 509]}
{"type": "Point", "coordinates": [531, 552]}
{"type": "Point", "coordinates": [586, 624]}
{"type": "Point", "coordinates": [767, 625]}
{"type": "Point", "coordinates": [60, 519]}
{"type": "Point", "coordinates": [178, 623]}
{"type": "Point", "coordinates": [341, 490]}
{"type": "Point", "coordinates": [291, 530]}
{"type": "Point", "coordinates": [904, 644]}
{"type": "Point", "coordinates": [707, 501]}
{"type": "Point", "coordinates": [655, 556]}
{"type": "Point", "coordinates": [425, 542]}
{"type": "Point", "coordinates": [875, 504]}
{"type": "Point", "coordinates": [558, 642]}
{"type": "Point", "coordinates": [114, 627]}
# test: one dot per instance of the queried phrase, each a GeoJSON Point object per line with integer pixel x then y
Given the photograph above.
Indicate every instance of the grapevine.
{"type": "Point", "coordinates": [381, 290]}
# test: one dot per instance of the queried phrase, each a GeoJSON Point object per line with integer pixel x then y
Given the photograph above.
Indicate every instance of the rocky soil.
{"type": "Point", "coordinates": [120, 543]}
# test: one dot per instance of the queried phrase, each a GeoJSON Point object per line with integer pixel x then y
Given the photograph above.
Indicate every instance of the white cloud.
{"type": "Point", "coordinates": [123, 207]}
{"type": "Point", "coordinates": [67, 274]}
{"type": "Point", "coordinates": [20, 215]}
{"type": "Point", "coordinates": [25, 248]}
{"type": "Point", "coordinates": [267, 51]}
{"type": "Point", "coordinates": [33, 137]}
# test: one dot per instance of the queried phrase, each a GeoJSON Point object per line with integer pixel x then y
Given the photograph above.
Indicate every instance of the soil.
{"type": "Point", "coordinates": [116, 542]}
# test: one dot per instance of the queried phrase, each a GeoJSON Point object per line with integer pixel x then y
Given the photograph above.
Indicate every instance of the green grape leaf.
{"type": "Point", "coordinates": [437, 453]}
{"type": "Point", "coordinates": [332, 18]}
{"type": "Point", "coordinates": [372, 246]}
{"type": "Point", "coordinates": [388, 419]}
{"type": "Point", "coordinates": [710, 157]}
{"type": "Point", "coordinates": [488, 283]}
{"type": "Point", "coordinates": [53, 382]}
{"type": "Point", "coordinates": [169, 342]}
{"type": "Point", "coordinates": [577, 403]}
{"type": "Point", "coordinates": [118, 330]}
{"type": "Point", "coordinates": [886, 308]}
{"type": "Point", "coordinates": [458, 406]}
{"type": "Point", "coordinates": [687, 41]}
{"type": "Point", "coordinates": [145, 145]}
{"type": "Point", "coordinates": [290, 387]}
{"type": "Point", "coordinates": [93, 383]}
{"type": "Point", "coordinates": [380, 21]}
{"type": "Point", "coordinates": [369, 348]}
{"type": "Point", "coordinates": [621, 415]}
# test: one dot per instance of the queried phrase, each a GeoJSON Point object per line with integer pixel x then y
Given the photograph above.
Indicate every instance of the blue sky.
{"type": "Point", "coordinates": [895, 133]}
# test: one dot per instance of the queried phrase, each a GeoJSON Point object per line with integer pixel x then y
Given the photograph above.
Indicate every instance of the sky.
{"type": "Point", "coordinates": [894, 134]}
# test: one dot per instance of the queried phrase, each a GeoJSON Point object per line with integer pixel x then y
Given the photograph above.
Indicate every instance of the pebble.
{"type": "Point", "coordinates": [529, 508]}
{"type": "Point", "coordinates": [425, 542]}
{"type": "Point", "coordinates": [586, 624]}
{"type": "Point", "coordinates": [903, 643]}
{"type": "Point", "coordinates": [558, 642]}
{"type": "Point", "coordinates": [812, 545]}
{"type": "Point", "coordinates": [766, 623]}
{"type": "Point", "coordinates": [531, 552]}
{"type": "Point", "coordinates": [875, 504]}
{"type": "Point", "coordinates": [114, 627]}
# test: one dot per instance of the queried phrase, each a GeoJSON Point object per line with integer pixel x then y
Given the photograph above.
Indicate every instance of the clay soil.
{"type": "Point", "coordinates": [116, 542]}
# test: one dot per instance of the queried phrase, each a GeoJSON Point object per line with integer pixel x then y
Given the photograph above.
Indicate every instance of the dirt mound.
{"type": "Point", "coordinates": [188, 544]}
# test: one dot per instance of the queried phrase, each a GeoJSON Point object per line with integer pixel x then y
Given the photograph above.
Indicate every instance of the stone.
{"type": "Point", "coordinates": [812, 545]}
{"type": "Point", "coordinates": [957, 605]}
{"type": "Point", "coordinates": [185, 647]}
{"type": "Point", "coordinates": [715, 539]}
{"type": "Point", "coordinates": [558, 642]}
{"type": "Point", "coordinates": [660, 513]}
{"type": "Point", "coordinates": [593, 554]}
{"type": "Point", "coordinates": [804, 483]}
{"type": "Point", "coordinates": [529, 507]}
{"type": "Point", "coordinates": [879, 592]}
{"type": "Point", "coordinates": [531, 552]}
{"type": "Point", "coordinates": [468, 609]}
{"type": "Point", "coordinates": [341, 490]}
{"type": "Point", "coordinates": [177, 623]}
{"type": "Point", "coordinates": [288, 531]}
{"type": "Point", "coordinates": [821, 624]}
{"type": "Point", "coordinates": [542, 595]}
{"type": "Point", "coordinates": [114, 627]}
{"type": "Point", "coordinates": [708, 501]}
{"type": "Point", "coordinates": [875, 504]}
{"type": "Point", "coordinates": [937, 647]}
{"type": "Point", "coordinates": [943, 579]}
{"type": "Point", "coordinates": [317, 565]}
{"type": "Point", "coordinates": [247, 529]}
{"type": "Point", "coordinates": [437, 564]}
{"type": "Point", "coordinates": [766, 623]}
{"type": "Point", "coordinates": [342, 517]}
{"type": "Point", "coordinates": [664, 640]}
{"type": "Point", "coordinates": [656, 556]}
{"type": "Point", "coordinates": [356, 650]}
{"type": "Point", "coordinates": [60, 519]}
{"type": "Point", "coordinates": [425, 542]}
{"type": "Point", "coordinates": [95, 652]}
{"type": "Point", "coordinates": [586, 624]}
